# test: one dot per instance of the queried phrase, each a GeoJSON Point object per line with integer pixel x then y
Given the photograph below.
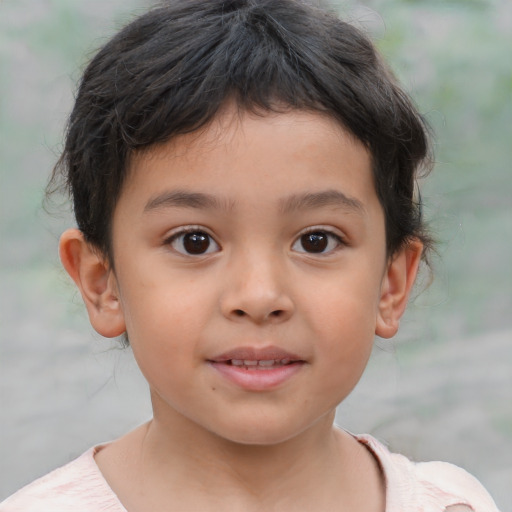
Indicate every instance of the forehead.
{"type": "Point", "coordinates": [292, 151]}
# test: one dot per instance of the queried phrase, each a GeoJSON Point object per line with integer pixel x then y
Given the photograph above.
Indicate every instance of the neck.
{"type": "Point", "coordinates": [262, 470]}
{"type": "Point", "coordinates": [173, 462]}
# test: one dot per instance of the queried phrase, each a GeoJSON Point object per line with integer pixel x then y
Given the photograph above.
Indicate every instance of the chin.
{"type": "Point", "coordinates": [260, 438]}
{"type": "Point", "coordinates": [262, 432]}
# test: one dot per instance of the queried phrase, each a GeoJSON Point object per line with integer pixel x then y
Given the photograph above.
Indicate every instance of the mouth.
{"type": "Point", "coordinates": [261, 364]}
{"type": "Point", "coordinates": [264, 358]}
{"type": "Point", "coordinates": [257, 369]}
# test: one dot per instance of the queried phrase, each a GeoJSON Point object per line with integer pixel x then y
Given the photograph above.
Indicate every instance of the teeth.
{"type": "Point", "coordinates": [262, 364]}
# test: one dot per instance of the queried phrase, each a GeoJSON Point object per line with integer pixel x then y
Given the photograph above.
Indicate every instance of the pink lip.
{"type": "Point", "coordinates": [254, 379]}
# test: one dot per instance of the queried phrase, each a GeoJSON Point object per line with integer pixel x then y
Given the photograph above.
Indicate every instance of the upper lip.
{"type": "Point", "coordinates": [256, 354]}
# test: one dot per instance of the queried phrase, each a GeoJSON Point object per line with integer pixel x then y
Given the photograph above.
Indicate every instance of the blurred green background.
{"type": "Point", "coordinates": [454, 57]}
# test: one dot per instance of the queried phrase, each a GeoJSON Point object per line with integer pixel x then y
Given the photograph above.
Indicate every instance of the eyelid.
{"type": "Point", "coordinates": [184, 230]}
{"type": "Point", "coordinates": [187, 228]}
{"type": "Point", "coordinates": [330, 231]}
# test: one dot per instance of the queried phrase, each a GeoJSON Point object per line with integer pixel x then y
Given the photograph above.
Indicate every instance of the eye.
{"type": "Point", "coordinates": [317, 242]}
{"type": "Point", "coordinates": [193, 243]}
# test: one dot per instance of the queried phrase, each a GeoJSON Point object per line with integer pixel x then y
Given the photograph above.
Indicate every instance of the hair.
{"type": "Point", "coordinates": [171, 70]}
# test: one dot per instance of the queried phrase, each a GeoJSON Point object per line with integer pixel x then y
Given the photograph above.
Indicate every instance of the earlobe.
{"type": "Point", "coordinates": [96, 281]}
{"type": "Point", "coordinates": [396, 286]}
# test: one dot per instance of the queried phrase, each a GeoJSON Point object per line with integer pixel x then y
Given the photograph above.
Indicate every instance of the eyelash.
{"type": "Point", "coordinates": [174, 237]}
{"type": "Point", "coordinates": [321, 245]}
{"type": "Point", "coordinates": [339, 240]}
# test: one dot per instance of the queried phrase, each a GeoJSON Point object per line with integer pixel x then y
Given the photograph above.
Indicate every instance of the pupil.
{"type": "Point", "coordinates": [314, 242]}
{"type": "Point", "coordinates": [196, 243]}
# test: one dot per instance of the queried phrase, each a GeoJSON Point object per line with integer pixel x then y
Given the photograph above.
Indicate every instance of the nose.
{"type": "Point", "coordinates": [256, 291]}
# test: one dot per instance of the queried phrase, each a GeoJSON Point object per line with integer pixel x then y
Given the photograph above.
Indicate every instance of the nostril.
{"type": "Point", "coordinates": [275, 314]}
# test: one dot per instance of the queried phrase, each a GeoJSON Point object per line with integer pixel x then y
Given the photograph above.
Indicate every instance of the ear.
{"type": "Point", "coordinates": [96, 281]}
{"type": "Point", "coordinates": [396, 287]}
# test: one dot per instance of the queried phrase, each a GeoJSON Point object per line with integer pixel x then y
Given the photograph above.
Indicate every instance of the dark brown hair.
{"type": "Point", "coordinates": [172, 69]}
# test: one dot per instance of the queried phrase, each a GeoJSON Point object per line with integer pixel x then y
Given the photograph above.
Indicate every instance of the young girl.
{"type": "Point", "coordinates": [243, 179]}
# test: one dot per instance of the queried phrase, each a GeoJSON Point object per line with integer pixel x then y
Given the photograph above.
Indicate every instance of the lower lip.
{"type": "Point", "coordinates": [258, 380]}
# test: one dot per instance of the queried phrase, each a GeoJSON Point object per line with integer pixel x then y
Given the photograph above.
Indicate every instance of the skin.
{"type": "Point", "coordinates": [257, 285]}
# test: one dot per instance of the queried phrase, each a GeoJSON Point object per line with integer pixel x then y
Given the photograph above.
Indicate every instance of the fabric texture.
{"type": "Point", "coordinates": [410, 487]}
{"type": "Point", "coordinates": [427, 486]}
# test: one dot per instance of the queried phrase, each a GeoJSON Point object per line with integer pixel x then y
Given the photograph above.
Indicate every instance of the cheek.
{"type": "Point", "coordinates": [349, 303]}
{"type": "Point", "coordinates": [164, 321]}
{"type": "Point", "coordinates": [347, 327]}
{"type": "Point", "coordinates": [164, 339]}
{"type": "Point", "coordinates": [344, 323]}
{"type": "Point", "coordinates": [160, 301]}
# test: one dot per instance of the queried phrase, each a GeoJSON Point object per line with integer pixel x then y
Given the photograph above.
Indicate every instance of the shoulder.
{"type": "Point", "coordinates": [78, 485]}
{"type": "Point", "coordinates": [428, 486]}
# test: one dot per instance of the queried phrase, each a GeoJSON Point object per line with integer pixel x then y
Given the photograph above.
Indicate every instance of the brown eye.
{"type": "Point", "coordinates": [318, 242]}
{"type": "Point", "coordinates": [193, 243]}
{"type": "Point", "coordinates": [314, 242]}
{"type": "Point", "coordinates": [196, 243]}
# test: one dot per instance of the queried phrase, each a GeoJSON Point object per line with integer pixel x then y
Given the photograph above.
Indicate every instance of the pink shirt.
{"type": "Point", "coordinates": [410, 487]}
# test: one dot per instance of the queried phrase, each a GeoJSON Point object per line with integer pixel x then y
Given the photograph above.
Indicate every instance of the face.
{"type": "Point", "coordinates": [249, 267]}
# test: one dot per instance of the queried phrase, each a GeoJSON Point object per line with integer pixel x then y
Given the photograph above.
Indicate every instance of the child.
{"type": "Point", "coordinates": [243, 179]}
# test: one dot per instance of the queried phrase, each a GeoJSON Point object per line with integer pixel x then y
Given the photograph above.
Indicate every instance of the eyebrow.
{"type": "Point", "coordinates": [326, 198]}
{"type": "Point", "coordinates": [186, 199]}
{"type": "Point", "coordinates": [203, 201]}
